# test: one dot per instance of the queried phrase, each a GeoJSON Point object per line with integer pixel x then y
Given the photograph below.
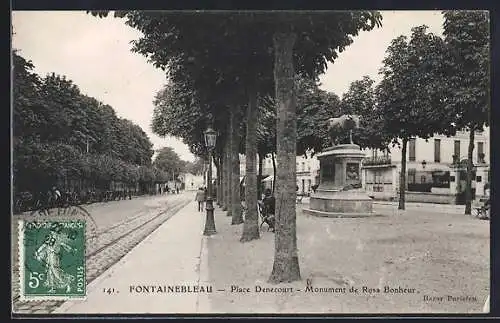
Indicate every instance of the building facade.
{"type": "Point", "coordinates": [436, 165]}
{"type": "Point", "coordinates": [307, 172]}
{"type": "Point", "coordinates": [435, 169]}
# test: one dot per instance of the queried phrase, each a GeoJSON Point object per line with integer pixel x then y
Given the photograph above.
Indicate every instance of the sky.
{"type": "Point", "coordinates": [95, 54]}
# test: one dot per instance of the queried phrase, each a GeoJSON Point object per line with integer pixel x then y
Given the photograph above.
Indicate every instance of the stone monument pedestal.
{"type": "Point", "coordinates": [339, 193]}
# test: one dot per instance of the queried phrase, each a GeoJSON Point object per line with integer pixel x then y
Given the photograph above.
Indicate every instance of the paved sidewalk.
{"type": "Point", "coordinates": [170, 256]}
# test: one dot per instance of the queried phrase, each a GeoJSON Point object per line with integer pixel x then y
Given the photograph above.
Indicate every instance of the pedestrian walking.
{"type": "Point", "coordinates": [200, 198]}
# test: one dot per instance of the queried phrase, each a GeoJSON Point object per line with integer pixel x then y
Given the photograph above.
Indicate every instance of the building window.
{"type": "Point", "coordinates": [437, 150]}
{"type": "Point", "coordinates": [456, 150]}
{"type": "Point", "coordinates": [411, 153]}
{"type": "Point", "coordinates": [303, 166]}
{"type": "Point", "coordinates": [479, 179]}
{"type": "Point", "coordinates": [411, 175]}
{"type": "Point", "coordinates": [422, 179]}
{"type": "Point", "coordinates": [441, 179]}
{"type": "Point", "coordinates": [480, 152]}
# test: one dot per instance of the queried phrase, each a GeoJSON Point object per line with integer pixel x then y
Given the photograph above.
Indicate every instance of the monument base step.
{"type": "Point", "coordinates": [339, 214]}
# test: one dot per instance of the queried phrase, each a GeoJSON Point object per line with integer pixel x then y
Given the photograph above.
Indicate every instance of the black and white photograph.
{"type": "Point", "coordinates": [250, 162]}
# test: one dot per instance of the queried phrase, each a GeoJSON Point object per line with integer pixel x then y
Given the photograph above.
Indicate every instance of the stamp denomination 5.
{"type": "Point", "coordinates": [52, 260]}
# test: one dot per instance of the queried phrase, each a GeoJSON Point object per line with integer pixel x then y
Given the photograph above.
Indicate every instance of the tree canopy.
{"type": "Point", "coordinates": [314, 108]}
{"type": "Point", "coordinates": [205, 62]}
{"type": "Point", "coordinates": [360, 100]}
{"type": "Point", "coordinates": [467, 39]}
{"type": "Point", "coordinates": [61, 133]}
{"type": "Point", "coordinates": [169, 161]}
{"type": "Point", "coordinates": [406, 95]}
{"type": "Point", "coordinates": [177, 113]}
{"type": "Point", "coordinates": [197, 167]}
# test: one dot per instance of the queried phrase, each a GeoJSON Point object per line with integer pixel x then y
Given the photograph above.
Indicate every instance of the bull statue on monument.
{"type": "Point", "coordinates": [346, 122]}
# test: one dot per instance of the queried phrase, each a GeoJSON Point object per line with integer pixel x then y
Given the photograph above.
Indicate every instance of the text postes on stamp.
{"type": "Point", "coordinates": [52, 260]}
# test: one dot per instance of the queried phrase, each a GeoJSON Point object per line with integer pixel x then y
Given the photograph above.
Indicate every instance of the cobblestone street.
{"type": "Point", "coordinates": [117, 228]}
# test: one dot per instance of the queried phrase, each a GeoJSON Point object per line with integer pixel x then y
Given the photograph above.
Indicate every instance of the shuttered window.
{"type": "Point", "coordinates": [437, 150]}
{"type": "Point", "coordinates": [411, 153]}
{"type": "Point", "coordinates": [456, 150]}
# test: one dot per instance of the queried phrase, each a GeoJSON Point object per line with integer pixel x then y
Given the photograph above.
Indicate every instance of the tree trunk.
{"type": "Point", "coordinates": [273, 158]}
{"type": "Point", "coordinates": [251, 224]}
{"type": "Point", "coordinates": [217, 189]}
{"type": "Point", "coordinates": [221, 183]}
{"type": "Point", "coordinates": [286, 260]}
{"type": "Point", "coordinates": [402, 176]}
{"type": "Point", "coordinates": [224, 179]}
{"type": "Point", "coordinates": [236, 211]}
{"type": "Point", "coordinates": [259, 181]}
{"type": "Point", "coordinates": [468, 177]}
{"type": "Point", "coordinates": [227, 153]}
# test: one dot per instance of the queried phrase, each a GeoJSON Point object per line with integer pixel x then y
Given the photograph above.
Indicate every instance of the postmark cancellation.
{"type": "Point", "coordinates": [52, 260]}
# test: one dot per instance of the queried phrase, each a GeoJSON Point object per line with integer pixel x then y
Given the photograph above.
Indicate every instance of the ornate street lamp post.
{"type": "Point", "coordinates": [210, 139]}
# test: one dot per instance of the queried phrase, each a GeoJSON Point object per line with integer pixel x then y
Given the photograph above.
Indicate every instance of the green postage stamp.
{"type": "Point", "coordinates": [52, 260]}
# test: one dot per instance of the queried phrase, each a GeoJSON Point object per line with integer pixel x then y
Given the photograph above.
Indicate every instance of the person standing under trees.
{"type": "Point", "coordinates": [200, 198]}
{"type": "Point", "coordinates": [269, 203]}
